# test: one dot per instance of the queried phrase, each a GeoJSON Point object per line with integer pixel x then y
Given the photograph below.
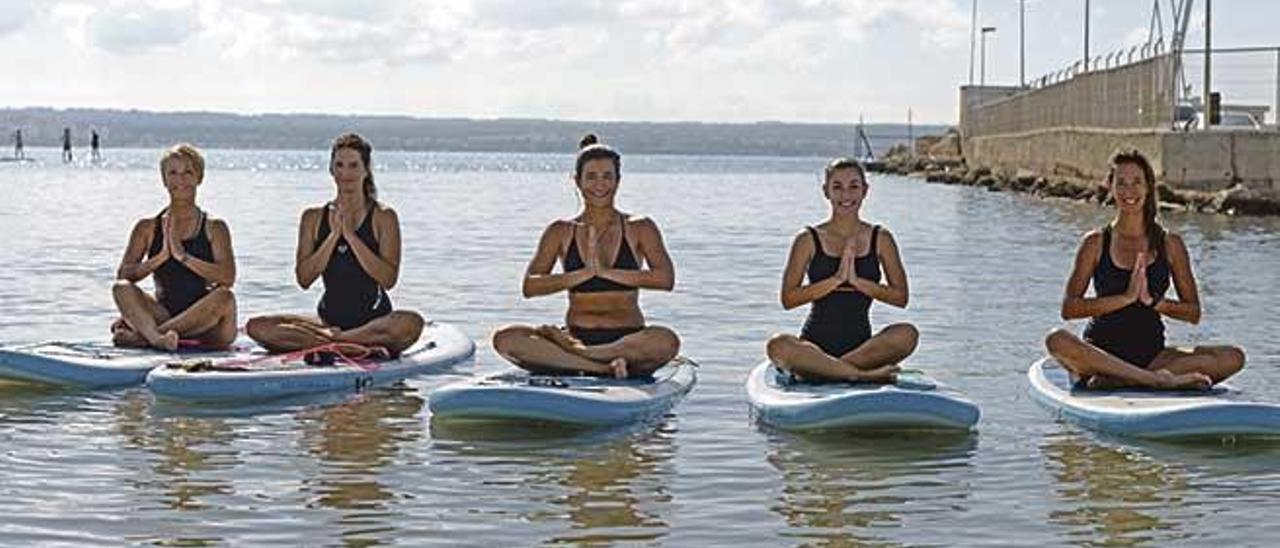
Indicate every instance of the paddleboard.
{"type": "Point", "coordinates": [1221, 411]}
{"type": "Point", "coordinates": [590, 401]}
{"type": "Point", "coordinates": [258, 377]}
{"type": "Point", "coordinates": [914, 402]}
{"type": "Point", "coordinates": [87, 364]}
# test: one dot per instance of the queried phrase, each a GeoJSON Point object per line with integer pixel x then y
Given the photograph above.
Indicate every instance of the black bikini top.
{"type": "Point", "coordinates": [625, 260]}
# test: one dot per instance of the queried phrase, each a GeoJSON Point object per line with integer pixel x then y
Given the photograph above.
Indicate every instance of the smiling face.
{"type": "Point", "coordinates": [845, 189]}
{"type": "Point", "coordinates": [348, 169]}
{"type": "Point", "coordinates": [1129, 186]}
{"type": "Point", "coordinates": [180, 178]}
{"type": "Point", "coordinates": [598, 182]}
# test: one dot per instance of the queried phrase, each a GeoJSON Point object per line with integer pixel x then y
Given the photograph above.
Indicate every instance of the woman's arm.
{"type": "Point", "coordinates": [132, 266]}
{"type": "Point", "coordinates": [538, 279]}
{"type": "Point", "coordinates": [895, 291]}
{"type": "Point", "coordinates": [384, 265]}
{"type": "Point", "coordinates": [660, 272]}
{"type": "Point", "coordinates": [311, 259]}
{"type": "Point", "coordinates": [1187, 306]}
{"type": "Point", "coordinates": [222, 271]}
{"type": "Point", "coordinates": [1074, 303]}
{"type": "Point", "coordinates": [794, 293]}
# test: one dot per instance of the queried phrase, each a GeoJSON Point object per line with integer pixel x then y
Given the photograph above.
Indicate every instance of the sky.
{"type": "Point", "coordinates": [825, 61]}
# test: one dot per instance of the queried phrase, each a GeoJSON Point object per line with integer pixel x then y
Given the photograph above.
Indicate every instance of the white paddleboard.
{"type": "Point", "coordinates": [265, 378]}
{"type": "Point", "coordinates": [589, 401]}
{"type": "Point", "coordinates": [914, 402]}
{"type": "Point", "coordinates": [89, 364]}
{"type": "Point", "coordinates": [1221, 411]}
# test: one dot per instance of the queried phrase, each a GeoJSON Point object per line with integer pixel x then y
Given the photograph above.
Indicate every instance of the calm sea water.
{"type": "Point", "coordinates": [986, 271]}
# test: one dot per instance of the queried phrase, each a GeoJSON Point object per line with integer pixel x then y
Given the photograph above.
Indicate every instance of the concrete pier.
{"type": "Point", "coordinates": [1057, 138]}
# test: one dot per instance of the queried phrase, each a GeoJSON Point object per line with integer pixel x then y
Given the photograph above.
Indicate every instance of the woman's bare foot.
{"type": "Point", "coordinates": [125, 336]}
{"type": "Point", "coordinates": [1184, 381]}
{"type": "Point", "coordinates": [619, 367]}
{"type": "Point", "coordinates": [883, 374]}
{"type": "Point", "coordinates": [1103, 382]}
{"type": "Point", "coordinates": [167, 341]}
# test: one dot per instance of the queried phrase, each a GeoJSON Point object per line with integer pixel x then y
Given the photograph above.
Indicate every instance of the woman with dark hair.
{"type": "Point", "coordinates": [606, 256]}
{"type": "Point", "coordinates": [188, 255]}
{"type": "Point", "coordinates": [836, 343]}
{"type": "Point", "coordinates": [1124, 343]}
{"type": "Point", "coordinates": [353, 243]}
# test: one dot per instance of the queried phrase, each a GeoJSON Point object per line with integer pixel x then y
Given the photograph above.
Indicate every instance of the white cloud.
{"type": "Point", "coordinates": [14, 15]}
{"type": "Point", "coordinates": [137, 27]}
{"type": "Point", "coordinates": [615, 59]}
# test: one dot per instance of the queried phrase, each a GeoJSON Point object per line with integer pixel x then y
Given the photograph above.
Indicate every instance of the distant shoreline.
{"type": "Point", "coordinates": [42, 127]}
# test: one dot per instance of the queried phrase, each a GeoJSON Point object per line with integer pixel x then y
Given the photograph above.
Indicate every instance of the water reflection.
{"type": "Point", "coordinates": [605, 486]}
{"type": "Point", "coordinates": [33, 403]}
{"type": "Point", "coordinates": [1116, 497]}
{"type": "Point", "coordinates": [355, 442]}
{"type": "Point", "coordinates": [845, 487]}
{"type": "Point", "coordinates": [187, 454]}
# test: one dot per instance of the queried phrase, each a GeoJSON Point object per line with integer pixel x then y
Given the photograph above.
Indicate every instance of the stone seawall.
{"type": "Point", "coordinates": [1228, 172]}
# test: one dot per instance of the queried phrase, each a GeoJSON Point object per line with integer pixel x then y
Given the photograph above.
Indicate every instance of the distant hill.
{"type": "Point", "coordinates": [132, 128]}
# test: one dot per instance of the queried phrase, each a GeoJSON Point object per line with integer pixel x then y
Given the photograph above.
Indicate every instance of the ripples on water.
{"type": "Point", "coordinates": [986, 270]}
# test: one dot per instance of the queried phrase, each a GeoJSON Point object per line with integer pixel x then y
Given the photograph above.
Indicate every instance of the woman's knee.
{"type": "Point", "coordinates": [1059, 341]}
{"type": "Point", "coordinates": [222, 297]}
{"type": "Point", "coordinates": [666, 343]}
{"type": "Point", "coordinates": [120, 288]}
{"type": "Point", "coordinates": [907, 336]}
{"type": "Point", "coordinates": [778, 347]}
{"type": "Point", "coordinates": [1232, 357]}
{"type": "Point", "coordinates": [260, 327]}
{"type": "Point", "coordinates": [409, 324]}
{"type": "Point", "coordinates": [506, 337]}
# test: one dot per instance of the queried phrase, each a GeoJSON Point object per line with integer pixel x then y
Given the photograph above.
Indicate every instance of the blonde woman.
{"type": "Point", "coordinates": [188, 255]}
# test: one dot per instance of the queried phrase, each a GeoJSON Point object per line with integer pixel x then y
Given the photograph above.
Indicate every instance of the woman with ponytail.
{"type": "Point", "coordinates": [1130, 262]}
{"type": "Point", "coordinates": [353, 243]}
{"type": "Point", "coordinates": [606, 256]}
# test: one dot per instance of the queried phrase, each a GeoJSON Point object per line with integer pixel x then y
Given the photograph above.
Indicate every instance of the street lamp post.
{"type": "Point", "coordinates": [985, 30]}
{"type": "Point", "coordinates": [1022, 43]}
{"type": "Point", "coordinates": [1086, 35]}
{"type": "Point", "coordinates": [973, 29]}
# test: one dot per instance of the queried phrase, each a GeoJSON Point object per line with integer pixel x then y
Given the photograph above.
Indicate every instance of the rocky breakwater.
{"type": "Point", "coordinates": [939, 159]}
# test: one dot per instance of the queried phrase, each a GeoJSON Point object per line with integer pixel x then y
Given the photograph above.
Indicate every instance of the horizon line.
{"type": "Point", "coordinates": [458, 118]}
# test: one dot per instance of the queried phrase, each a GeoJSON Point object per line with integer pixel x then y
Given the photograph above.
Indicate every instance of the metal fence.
{"type": "Point", "coordinates": [1132, 95]}
{"type": "Point", "coordinates": [1135, 88]}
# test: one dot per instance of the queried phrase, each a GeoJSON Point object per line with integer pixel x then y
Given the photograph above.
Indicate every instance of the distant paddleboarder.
{"type": "Point", "coordinates": [93, 143]}
{"type": "Point", "coordinates": [66, 145]}
{"type": "Point", "coordinates": [18, 153]}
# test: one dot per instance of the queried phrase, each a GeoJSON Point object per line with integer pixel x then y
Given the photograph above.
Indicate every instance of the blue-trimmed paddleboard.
{"type": "Point", "coordinates": [588, 401]}
{"type": "Point", "coordinates": [440, 346]}
{"type": "Point", "coordinates": [914, 402]}
{"type": "Point", "coordinates": [94, 364]}
{"type": "Point", "coordinates": [1221, 411]}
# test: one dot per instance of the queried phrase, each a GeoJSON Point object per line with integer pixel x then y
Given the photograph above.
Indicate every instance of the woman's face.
{"type": "Point", "coordinates": [845, 190]}
{"type": "Point", "coordinates": [348, 169]}
{"type": "Point", "coordinates": [597, 182]}
{"type": "Point", "coordinates": [1129, 186]}
{"type": "Point", "coordinates": [180, 178]}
